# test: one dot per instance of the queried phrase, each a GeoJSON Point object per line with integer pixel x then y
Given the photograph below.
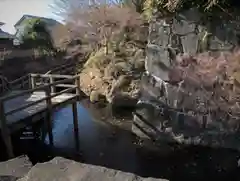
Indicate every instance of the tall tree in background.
{"type": "Point", "coordinates": [36, 34]}
{"type": "Point", "coordinates": [96, 22]}
{"type": "Point", "coordinates": [62, 8]}
{"type": "Point", "coordinates": [138, 5]}
{"type": "Point", "coordinates": [102, 23]}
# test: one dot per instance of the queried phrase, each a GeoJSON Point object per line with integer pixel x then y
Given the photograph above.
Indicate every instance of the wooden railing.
{"type": "Point", "coordinates": [20, 83]}
{"type": "Point", "coordinates": [24, 83]}
{"type": "Point", "coordinates": [49, 89]}
{"type": "Point", "coordinates": [4, 84]}
{"type": "Point", "coordinates": [35, 86]}
{"type": "Point", "coordinates": [63, 69]}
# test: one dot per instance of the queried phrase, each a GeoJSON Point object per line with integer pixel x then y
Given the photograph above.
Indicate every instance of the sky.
{"type": "Point", "coordinates": [12, 10]}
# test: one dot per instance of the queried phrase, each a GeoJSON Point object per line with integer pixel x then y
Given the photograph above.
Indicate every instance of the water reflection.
{"type": "Point", "coordinates": [63, 129]}
{"type": "Point", "coordinates": [99, 142]}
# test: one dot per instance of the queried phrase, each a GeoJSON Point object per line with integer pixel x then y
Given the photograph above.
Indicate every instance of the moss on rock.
{"type": "Point", "coordinates": [114, 73]}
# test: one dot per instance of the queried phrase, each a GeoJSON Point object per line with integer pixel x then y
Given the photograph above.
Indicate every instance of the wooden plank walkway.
{"type": "Point", "coordinates": [14, 104]}
{"type": "Point", "coordinates": [21, 108]}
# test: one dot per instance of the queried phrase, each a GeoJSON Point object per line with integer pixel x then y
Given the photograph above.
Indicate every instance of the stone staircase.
{"type": "Point", "coordinates": [61, 169]}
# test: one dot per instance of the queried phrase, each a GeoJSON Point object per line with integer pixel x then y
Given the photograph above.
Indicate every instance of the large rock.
{"type": "Point", "coordinates": [61, 169]}
{"type": "Point", "coordinates": [14, 169]}
{"type": "Point", "coordinates": [113, 76]}
{"type": "Point", "coordinates": [166, 110]}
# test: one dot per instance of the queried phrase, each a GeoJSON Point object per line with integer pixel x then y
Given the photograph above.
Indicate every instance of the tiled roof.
{"type": "Point", "coordinates": [6, 35]}
{"type": "Point", "coordinates": [31, 16]}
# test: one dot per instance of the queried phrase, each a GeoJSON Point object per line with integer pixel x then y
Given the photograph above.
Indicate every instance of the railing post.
{"type": "Point", "coordinates": [3, 85]}
{"type": "Point", "coordinates": [6, 135]}
{"type": "Point", "coordinates": [49, 114]}
{"type": "Point", "coordinates": [78, 88]}
{"type": "Point", "coordinates": [75, 123]}
{"type": "Point", "coordinates": [32, 80]}
{"type": "Point", "coordinates": [29, 81]}
{"type": "Point", "coordinates": [1, 88]}
{"type": "Point", "coordinates": [52, 86]}
{"type": "Point", "coordinates": [22, 82]}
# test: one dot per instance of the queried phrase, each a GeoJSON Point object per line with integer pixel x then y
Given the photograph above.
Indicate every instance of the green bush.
{"type": "Point", "coordinates": [36, 35]}
{"type": "Point", "coordinates": [171, 6]}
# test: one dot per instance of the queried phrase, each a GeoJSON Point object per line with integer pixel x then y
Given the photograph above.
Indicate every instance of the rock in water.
{"type": "Point", "coordinates": [113, 73]}
{"type": "Point", "coordinates": [95, 96]}
{"type": "Point", "coordinates": [122, 100]}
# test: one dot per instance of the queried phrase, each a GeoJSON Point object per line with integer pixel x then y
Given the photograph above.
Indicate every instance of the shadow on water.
{"type": "Point", "coordinates": [107, 141]}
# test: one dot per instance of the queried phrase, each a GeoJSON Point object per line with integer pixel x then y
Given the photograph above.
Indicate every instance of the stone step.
{"type": "Point", "coordinates": [61, 169]}
{"type": "Point", "coordinates": [14, 169]}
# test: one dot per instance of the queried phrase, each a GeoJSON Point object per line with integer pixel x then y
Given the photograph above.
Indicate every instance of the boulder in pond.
{"type": "Point", "coordinates": [113, 74]}
{"type": "Point", "coordinates": [96, 96]}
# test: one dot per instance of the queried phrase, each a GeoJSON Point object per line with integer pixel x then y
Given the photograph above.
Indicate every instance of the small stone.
{"type": "Point", "coordinates": [168, 130]}
{"type": "Point", "coordinates": [95, 96]}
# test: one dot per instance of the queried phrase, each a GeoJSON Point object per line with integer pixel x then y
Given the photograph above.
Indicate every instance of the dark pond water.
{"type": "Point", "coordinates": [107, 141]}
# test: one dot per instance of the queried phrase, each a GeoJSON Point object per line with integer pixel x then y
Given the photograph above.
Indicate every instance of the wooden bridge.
{"type": "Point", "coordinates": [69, 68]}
{"type": "Point", "coordinates": [35, 97]}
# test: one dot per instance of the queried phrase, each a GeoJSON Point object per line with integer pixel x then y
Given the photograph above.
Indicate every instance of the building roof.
{"type": "Point", "coordinates": [5, 35]}
{"type": "Point", "coordinates": [31, 16]}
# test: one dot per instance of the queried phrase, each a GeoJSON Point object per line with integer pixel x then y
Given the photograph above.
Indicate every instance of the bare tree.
{"type": "Point", "coordinates": [99, 22]}
{"type": "Point", "coordinates": [61, 8]}
{"type": "Point", "coordinates": [60, 36]}
{"type": "Point", "coordinates": [214, 83]}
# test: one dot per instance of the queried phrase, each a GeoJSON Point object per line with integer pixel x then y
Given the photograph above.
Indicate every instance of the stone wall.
{"type": "Point", "coordinates": [159, 115]}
